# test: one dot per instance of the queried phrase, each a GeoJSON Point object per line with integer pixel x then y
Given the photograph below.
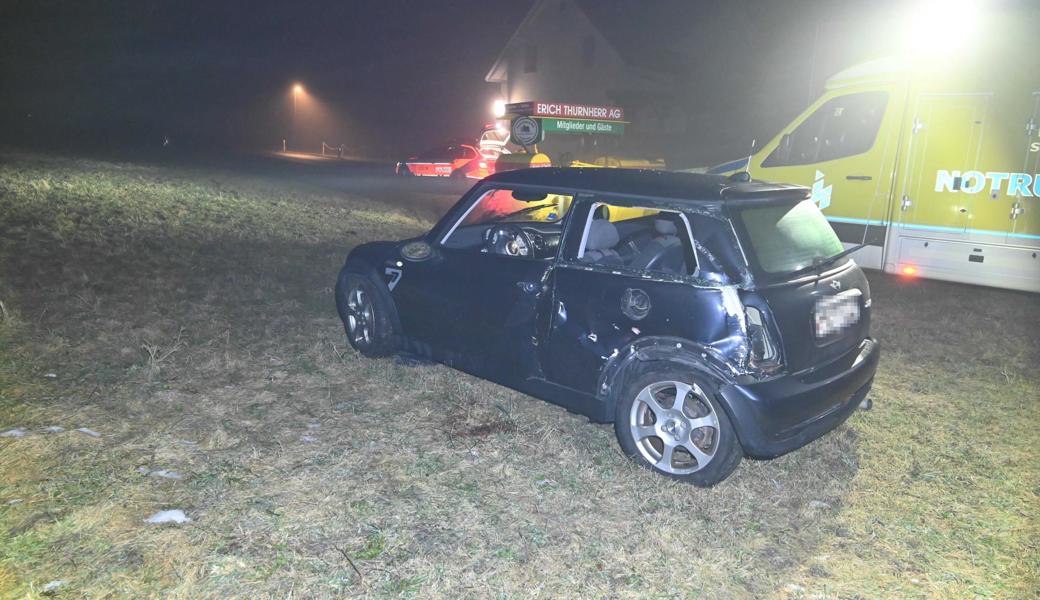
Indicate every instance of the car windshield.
{"type": "Point", "coordinates": [785, 238]}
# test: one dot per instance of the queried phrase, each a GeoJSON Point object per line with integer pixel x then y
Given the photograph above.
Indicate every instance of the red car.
{"type": "Point", "coordinates": [449, 160]}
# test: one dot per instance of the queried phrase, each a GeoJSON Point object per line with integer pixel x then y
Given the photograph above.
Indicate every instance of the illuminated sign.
{"type": "Point", "coordinates": [973, 182]}
{"type": "Point", "coordinates": [567, 111]}
{"type": "Point", "coordinates": [582, 126]}
{"type": "Point", "coordinates": [526, 131]}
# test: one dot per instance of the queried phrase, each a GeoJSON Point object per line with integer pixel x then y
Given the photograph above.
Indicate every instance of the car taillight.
{"type": "Point", "coordinates": [764, 352]}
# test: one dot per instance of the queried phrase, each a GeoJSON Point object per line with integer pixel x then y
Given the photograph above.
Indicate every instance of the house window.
{"type": "Point", "coordinates": [588, 51]}
{"type": "Point", "coordinates": [531, 59]}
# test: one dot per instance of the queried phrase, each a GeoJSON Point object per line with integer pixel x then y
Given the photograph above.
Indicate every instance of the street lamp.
{"type": "Point", "coordinates": [498, 108]}
{"type": "Point", "coordinates": [296, 91]}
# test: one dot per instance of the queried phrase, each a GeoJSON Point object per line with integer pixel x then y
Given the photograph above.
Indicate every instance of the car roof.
{"type": "Point", "coordinates": [645, 183]}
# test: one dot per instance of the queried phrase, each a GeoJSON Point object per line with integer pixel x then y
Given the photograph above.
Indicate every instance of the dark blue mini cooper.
{"type": "Point", "coordinates": [707, 317]}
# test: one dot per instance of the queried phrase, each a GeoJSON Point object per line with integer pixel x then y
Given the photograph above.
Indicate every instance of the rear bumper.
{"type": "Point", "coordinates": [780, 415]}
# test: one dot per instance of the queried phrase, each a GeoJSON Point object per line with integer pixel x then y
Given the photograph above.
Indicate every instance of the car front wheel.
{"type": "Point", "coordinates": [365, 311]}
{"type": "Point", "coordinates": [669, 421]}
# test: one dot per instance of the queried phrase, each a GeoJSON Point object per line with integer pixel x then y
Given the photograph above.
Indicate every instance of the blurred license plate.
{"type": "Point", "coordinates": [835, 314]}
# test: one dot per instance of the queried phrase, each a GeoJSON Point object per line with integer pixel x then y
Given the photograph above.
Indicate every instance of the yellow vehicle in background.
{"type": "Point", "coordinates": [931, 161]}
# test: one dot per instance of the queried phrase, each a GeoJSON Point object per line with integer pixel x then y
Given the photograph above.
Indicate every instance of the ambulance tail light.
{"type": "Point", "coordinates": [909, 271]}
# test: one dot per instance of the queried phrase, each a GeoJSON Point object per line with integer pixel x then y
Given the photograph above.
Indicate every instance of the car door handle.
{"type": "Point", "coordinates": [858, 177]}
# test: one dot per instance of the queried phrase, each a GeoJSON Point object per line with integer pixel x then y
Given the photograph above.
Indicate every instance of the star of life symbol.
{"type": "Point", "coordinates": [821, 194]}
{"type": "Point", "coordinates": [836, 284]}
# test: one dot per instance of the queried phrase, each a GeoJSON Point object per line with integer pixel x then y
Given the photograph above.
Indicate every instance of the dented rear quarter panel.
{"type": "Point", "coordinates": [701, 322]}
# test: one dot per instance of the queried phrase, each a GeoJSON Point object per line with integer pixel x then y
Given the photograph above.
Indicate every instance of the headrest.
{"type": "Point", "coordinates": [602, 235]}
{"type": "Point", "coordinates": [666, 226]}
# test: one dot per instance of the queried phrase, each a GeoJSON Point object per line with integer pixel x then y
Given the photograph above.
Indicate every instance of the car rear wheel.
{"type": "Point", "coordinates": [669, 421]}
{"type": "Point", "coordinates": [365, 312]}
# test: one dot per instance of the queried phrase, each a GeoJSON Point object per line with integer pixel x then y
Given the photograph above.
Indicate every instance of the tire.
{"type": "Point", "coordinates": [365, 307]}
{"type": "Point", "coordinates": [696, 444]}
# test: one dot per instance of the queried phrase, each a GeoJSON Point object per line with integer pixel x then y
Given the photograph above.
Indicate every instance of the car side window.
{"type": "Point", "coordinates": [638, 239]}
{"type": "Point", "coordinates": [532, 218]}
{"type": "Point", "coordinates": [841, 127]}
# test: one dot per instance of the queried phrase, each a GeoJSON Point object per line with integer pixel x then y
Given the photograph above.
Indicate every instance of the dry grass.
{"type": "Point", "coordinates": [188, 318]}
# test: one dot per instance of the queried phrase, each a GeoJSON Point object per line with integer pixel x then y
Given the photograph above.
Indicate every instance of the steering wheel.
{"type": "Point", "coordinates": [508, 240]}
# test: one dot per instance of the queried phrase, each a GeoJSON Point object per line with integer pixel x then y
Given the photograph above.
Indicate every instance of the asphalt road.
{"type": "Point", "coordinates": [425, 197]}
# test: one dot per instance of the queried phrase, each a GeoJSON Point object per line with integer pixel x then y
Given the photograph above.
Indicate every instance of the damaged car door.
{"type": "Point", "coordinates": [492, 277]}
{"type": "Point", "coordinates": [618, 280]}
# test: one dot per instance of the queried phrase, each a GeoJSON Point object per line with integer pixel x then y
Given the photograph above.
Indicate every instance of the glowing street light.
{"type": "Point", "coordinates": [498, 108]}
{"type": "Point", "coordinates": [297, 89]}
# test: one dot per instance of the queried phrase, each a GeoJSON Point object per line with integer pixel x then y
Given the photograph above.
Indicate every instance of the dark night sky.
{"type": "Point", "coordinates": [391, 74]}
{"type": "Point", "coordinates": [212, 70]}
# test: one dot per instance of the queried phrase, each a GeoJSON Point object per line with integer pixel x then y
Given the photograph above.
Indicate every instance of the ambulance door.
{"type": "Point", "coordinates": [1025, 210]}
{"type": "Point", "coordinates": [844, 148]}
{"type": "Point", "coordinates": [946, 135]}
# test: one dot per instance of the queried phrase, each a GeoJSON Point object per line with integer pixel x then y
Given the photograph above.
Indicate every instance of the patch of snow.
{"type": "Point", "coordinates": [53, 429]}
{"type": "Point", "coordinates": [818, 504]}
{"type": "Point", "coordinates": [53, 585]}
{"type": "Point", "coordinates": [168, 516]}
{"type": "Point", "coordinates": [89, 432]}
{"type": "Point", "coordinates": [308, 439]}
{"type": "Point", "coordinates": [51, 375]}
{"type": "Point", "coordinates": [794, 587]}
{"type": "Point", "coordinates": [165, 474]}
{"type": "Point", "coordinates": [187, 443]}
{"type": "Point", "coordinates": [13, 501]}
{"type": "Point", "coordinates": [17, 432]}
{"type": "Point", "coordinates": [313, 425]}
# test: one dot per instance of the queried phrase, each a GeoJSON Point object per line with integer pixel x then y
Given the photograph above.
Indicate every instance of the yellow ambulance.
{"type": "Point", "coordinates": [932, 161]}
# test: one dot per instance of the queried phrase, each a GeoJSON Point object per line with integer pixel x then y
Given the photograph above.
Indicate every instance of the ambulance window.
{"type": "Point", "coordinates": [843, 126]}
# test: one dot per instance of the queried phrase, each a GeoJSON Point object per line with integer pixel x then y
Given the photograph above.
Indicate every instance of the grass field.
{"type": "Point", "coordinates": [187, 317]}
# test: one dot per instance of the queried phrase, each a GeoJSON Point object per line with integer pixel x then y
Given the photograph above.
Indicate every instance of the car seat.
{"type": "Point", "coordinates": [599, 245]}
{"type": "Point", "coordinates": [663, 252]}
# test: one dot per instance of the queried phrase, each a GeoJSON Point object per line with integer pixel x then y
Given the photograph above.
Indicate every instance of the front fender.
{"type": "Point", "coordinates": [368, 260]}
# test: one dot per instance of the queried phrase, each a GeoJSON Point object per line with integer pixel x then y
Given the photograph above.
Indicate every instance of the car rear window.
{"type": "Point", "coordinates": [788, 237]}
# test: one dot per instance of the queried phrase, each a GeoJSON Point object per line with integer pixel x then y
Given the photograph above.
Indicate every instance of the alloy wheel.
{"type": "Point", "coordinates": [359, 316]}
{"type": "Point", "coordinates": [675, 427]}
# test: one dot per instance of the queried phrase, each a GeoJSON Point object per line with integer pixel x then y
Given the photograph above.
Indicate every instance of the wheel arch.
{"type": "Point", "coordinates": [643, 353]}
{"type": "Point", "coordinates": [359, 266]}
